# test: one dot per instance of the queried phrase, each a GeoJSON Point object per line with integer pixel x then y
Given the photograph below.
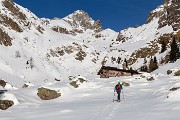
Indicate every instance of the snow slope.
{"type": "Point", "coordinates": [93, 101]}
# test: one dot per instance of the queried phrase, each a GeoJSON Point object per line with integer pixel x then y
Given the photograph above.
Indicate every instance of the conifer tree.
{"type": "Point", "coordinates": [163, 46]}
{"type": "Point", "coordinates": [151, 65]}
{"type": "Point", "coordinates": [144, 67]}
{"type": "Point", "coordinates": [118, 60]}
{"type": "Point", "coordinates": [174, 53]}
{"type": "Point", "coordinates": [155, 63]}
{"type": "Point", "coordinates": [125, 64]}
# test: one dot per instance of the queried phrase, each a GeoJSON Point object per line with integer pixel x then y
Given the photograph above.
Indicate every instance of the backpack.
{"type": "Point", "coordinates": [117, 87]}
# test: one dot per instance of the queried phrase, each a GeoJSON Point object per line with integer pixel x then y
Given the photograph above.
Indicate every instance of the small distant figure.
{"type": "Point", "coordinates": [118, 89]}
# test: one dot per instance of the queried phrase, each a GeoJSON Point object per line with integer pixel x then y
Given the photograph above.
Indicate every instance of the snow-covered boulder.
{"type": "Point", "coordinates": [6, 85]}
{"type": "Point", "coordinates": [7, 100]}
{"type": "Point", "coordinates": [76, 81]}
{"type": "Point", "coordinates": [3, 83]}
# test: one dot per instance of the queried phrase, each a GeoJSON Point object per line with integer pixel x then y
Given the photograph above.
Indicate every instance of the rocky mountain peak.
{"type": "Point", "coordinates": [168, 14]}
{"type": "Point", "coordinates": [81, 20]}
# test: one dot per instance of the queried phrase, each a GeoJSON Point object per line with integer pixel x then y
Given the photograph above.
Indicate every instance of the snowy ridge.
{"type": "Point", "coordinates": [79, 13]}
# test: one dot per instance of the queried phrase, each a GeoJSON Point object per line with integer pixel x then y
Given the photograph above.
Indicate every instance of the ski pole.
{"type": "Point", "coordinates": [123, 94]}
{"type": "Point", "coordinates": [113, 96]}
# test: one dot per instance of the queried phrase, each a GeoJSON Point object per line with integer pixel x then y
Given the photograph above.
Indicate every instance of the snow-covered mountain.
{"type": "Point", "coordinates": [50, 44]}
{"type": "Point", "coordinates": [162, 24]}
{"type": "Point", "coordinates": [54, 52]}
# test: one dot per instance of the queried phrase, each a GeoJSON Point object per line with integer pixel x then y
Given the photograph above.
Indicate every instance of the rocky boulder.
{"type": "Point", "coordinates": [125, 84]}
{"type": "Point", "coordinates": [150, 78]}
{"type": "Point", "coordinates": [3, 83]}
{"type": "Point", "coordinates": [47, 94]}
{"type": "Point", "coordinates": [76, 81]}
{"type": "Point", "coordinates": [177, 73]}
{"type": "Point", "coordinates": [5, 104]}
{"type": "Point", "coordinates": [174, 88]}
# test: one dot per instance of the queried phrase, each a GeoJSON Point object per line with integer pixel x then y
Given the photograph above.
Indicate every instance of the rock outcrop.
{"type": "Point", "coordinates": [81, 20]}
{"type": "Point", "coordinates": [168, 14]}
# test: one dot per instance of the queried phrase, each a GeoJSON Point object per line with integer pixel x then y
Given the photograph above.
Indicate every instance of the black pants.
{"type": "Point", "coordinates": [119, 94]}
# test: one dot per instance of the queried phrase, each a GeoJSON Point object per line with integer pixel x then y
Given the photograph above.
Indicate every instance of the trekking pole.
{"type": "Point", "coordinates": [113, 96]}
{"type": "Point", "coordinates": [123, 94]}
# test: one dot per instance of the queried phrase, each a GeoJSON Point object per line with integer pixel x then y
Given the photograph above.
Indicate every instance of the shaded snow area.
{"type": "Point", "coordinates": [93, 100]}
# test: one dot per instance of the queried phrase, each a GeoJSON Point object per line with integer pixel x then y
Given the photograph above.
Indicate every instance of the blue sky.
{"type": "Point", "coordinates": [114, 14]}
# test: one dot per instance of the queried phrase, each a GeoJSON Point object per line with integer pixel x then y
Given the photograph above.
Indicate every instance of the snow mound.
{"type": "Point", "coordinates": [9, 96]}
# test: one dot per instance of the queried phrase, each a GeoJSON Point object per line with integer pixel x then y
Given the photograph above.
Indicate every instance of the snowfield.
{"type": "Point", "coordinates": [93, 100]}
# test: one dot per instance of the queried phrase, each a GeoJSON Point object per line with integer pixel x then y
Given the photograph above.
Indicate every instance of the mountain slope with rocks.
{"type": "Point", "coordinates": [58, 59]}
{"type": "Point", "coordinates": [161, 26]}
{"type": "Point", "coordinates": [46, 45]}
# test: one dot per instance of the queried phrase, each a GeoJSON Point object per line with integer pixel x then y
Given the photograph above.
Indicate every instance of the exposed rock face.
{"type": "Point", "coordinates": [155, 14]}
{"type": "Point", "coordinates": [15, 11]}
{"type": "Point", "coordinates": [4, 38]}
{"type": "Point", "coordinates": [60, 51]}
{"type": "Point", "coordinates": [60, 30]}
{"type": "Point", "coordinates": [80, 55]}
{"type": "Point", "coordinates": [80, 19]}
{"type": "Point", "coordinates": [172, 16]}
{"type": "Point", "coordinates": [10, 23]}
{"type": "Point", "coordinates": [5, 104]}
{"type": "Point", "coordinates": [168, 14]}
{"type": "Point", "coordinates": [121, 38]}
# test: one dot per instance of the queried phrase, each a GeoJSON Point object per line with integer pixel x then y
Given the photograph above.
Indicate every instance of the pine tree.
{"type": "Point", "coordinates": [144, 67]}
{"type": "Point", "coordinates": [163, 46]}
{"type": "Point", "coordinates": [174, 53]}
{"type": "Point", "coordinates": [155, 63]}
{"type": "Point", "coordinates": [125, 64]}
{"type": "Point", "coordinates": [118, 60]}
{"type": "Point", "coordinates": [155, 60]}
{"type": "Point", "coordinates": [151, 65]}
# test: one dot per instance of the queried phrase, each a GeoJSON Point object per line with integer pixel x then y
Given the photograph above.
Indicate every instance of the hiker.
{"type": "Point", "coordinates": [118, 89]}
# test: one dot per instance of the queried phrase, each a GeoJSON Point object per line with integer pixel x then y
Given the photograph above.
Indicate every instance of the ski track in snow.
{"type": "Point", "coordinates": [142, 100]}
